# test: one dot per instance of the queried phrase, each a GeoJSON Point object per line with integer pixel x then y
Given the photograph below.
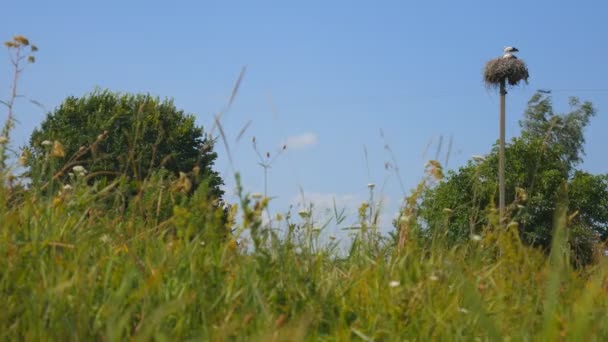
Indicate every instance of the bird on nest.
{"type": "Point", "coordinates": [509, 52]}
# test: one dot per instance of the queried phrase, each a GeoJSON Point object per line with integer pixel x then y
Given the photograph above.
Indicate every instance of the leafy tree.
{"type": "Point", "coordinates": [111, 134]}
{"type": "Point", "coordinates": [538, 162]}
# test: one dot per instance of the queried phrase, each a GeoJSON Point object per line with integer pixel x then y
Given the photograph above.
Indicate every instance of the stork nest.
{"type": "Point", "coordinates": [501, 69]}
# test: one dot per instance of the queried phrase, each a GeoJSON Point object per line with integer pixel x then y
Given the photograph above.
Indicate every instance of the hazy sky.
{"type": "Point", "coordinates": [323, 76]}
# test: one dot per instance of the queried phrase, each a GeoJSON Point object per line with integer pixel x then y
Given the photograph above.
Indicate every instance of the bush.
{"type": "Point", "coordinates": [112, 134]}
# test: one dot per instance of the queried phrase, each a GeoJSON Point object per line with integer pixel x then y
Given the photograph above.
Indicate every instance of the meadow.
{"type": "Point", "coordinates": [80, 260]}
{"type": "Point", "coordinates": [74, 269]}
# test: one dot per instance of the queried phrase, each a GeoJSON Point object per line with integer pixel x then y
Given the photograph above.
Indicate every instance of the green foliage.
{"type": "Point", "coordinates": [565, 132]}
{"type": "Point", "coordinates": [537, 163]}
{"type": "Point", "coordinates": [112, 134]}
{"type": "Point", "coordinates": [73, 270]}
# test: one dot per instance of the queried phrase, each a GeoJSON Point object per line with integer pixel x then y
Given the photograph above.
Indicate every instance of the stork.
{"type": "Point", "coordinates": [509, 56]}
{"type": "Point", "coordinates": [510, 49]}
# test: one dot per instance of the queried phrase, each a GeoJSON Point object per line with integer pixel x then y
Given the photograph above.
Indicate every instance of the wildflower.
{"type": "Point", "coordinates": [102, 136]}
{"type": "Point", "coordinates": [475, 237]}
{"type": "Point", "coordinates": [463, 310]}
{"type": "Point", "coordinates": [394, 283]}
{"type": "Point", "coordinates": [183, 184]}
{"type": "Point", "coordinates": [21, 40]}
{"type": "Point", "coordinates": [79, 170]}
{"type": "Point", "coordinates": [371, 186]}
{"type": "Point", "coordinates": [304, 213]}
{"type": "Point", "coordinates": [3, 139]}
{"type": "Point", "coordinates": [316, 229]}
{"type": "Point", "coordinates": [404, 218]}
{"type": "Point", "coordinates": [521, 194]}
{"type": "Point", "coordinates": [23, 159]}
{"type": "Point", "coordinates": [232, 244]}
{"type": "Point", "coordinates": [433, 277]}
{"type": "Point", "coordinates": [104, 238]}
{"type": "Point", "coordinates": [57, 200]}
{"type": "Point", "coordinates": [57, 150]}
{"type": "Point", "coordinates": [46, 143]}
{"type": "Point", "coordinates": [67, 187]}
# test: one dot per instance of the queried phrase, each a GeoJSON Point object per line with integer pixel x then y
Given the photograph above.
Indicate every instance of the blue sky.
{"type": "Point", "coordinates": [325, 76]}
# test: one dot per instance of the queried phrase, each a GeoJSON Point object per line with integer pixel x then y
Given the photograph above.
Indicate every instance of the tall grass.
{"type": "Point", "coordinates": [74, 268]}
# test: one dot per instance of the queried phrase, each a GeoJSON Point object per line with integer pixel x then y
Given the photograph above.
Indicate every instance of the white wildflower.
{"type": "Point", "coordinates": [394, 283]}
{"type": "Point", "coordinates": [67, 187]}
{"type": "Point", "coordinates": [79, 170]}
{"type": "Point", "coordinates": [433, 277]}
{"type": "Point", "coordinates": [104, 238]}
{"type": "Point", "coordinates": [371, 186]}
{"type": "Point", "coordinates": [304, 213]}
{"type": "Point", "coordinates": [463, 310]}
{"type": "Point", "coordinates": [475, 237]}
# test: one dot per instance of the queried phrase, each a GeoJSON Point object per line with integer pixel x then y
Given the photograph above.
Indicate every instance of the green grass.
{"type": "Point", "coordinates": [76, 266]}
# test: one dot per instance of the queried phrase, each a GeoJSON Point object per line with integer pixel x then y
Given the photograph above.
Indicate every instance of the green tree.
{"type": "Point", "coordinates": [112, 134]}
{"type": "Point", "coordinates": [538, 162]}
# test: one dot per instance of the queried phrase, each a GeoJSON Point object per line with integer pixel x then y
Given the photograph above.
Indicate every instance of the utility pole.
{"type": "Point", "coordinates": [501, 154]}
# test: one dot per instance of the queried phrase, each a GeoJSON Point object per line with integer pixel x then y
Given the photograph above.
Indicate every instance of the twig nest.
{"type": "Point", "coordinates": [511, 70]}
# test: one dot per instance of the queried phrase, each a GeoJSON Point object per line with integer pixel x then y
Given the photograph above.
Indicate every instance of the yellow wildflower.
{"type": "Point", "coordinates": [57, 150]}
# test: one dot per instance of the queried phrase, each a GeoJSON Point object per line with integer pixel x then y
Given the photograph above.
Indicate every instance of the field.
{"type": "Point", "coordinates": [74, 268]}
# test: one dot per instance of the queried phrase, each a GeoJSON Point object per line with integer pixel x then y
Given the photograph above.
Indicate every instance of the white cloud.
{"type": "Point", "coordinates": [323, 204]}
{"type": "Point", "coordinates": [325, 201]}
{"type": "Point", "coordinates": [301, 141]}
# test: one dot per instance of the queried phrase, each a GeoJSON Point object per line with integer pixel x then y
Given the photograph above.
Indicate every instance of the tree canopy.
{"type": "Point", "coordinates": [537, 163]}
{"type": "Point", "coordinates": [112, 134]}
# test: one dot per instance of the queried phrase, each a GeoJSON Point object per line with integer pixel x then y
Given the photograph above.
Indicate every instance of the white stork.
{"type": "Point", "coordinates": [509, 56]}
{"type": "Point", "coordinates": [510, 49]}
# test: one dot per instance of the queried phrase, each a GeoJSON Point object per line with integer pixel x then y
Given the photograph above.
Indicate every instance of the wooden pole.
{"type": "Point", "coordinates": [501, 155]}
